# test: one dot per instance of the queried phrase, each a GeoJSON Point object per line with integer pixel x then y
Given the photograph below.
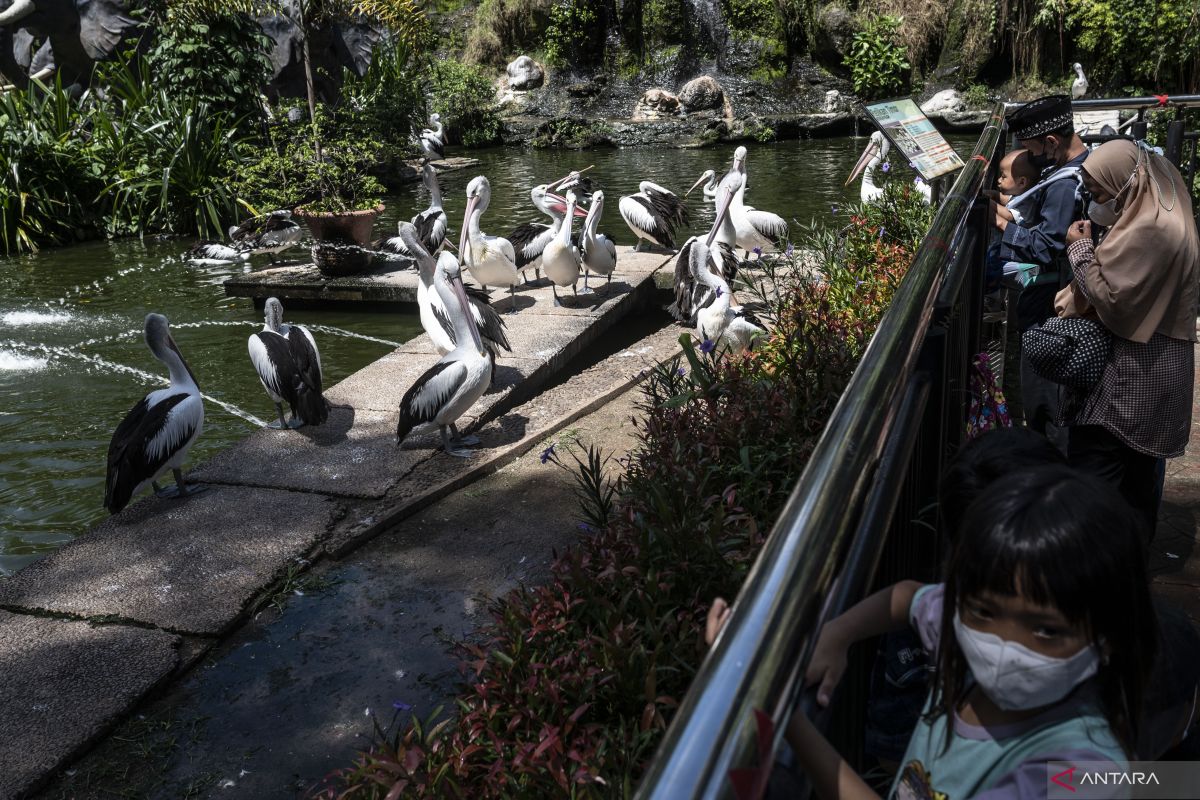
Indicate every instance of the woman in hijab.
{"type": "Point", "coordinates": [1141, 282]}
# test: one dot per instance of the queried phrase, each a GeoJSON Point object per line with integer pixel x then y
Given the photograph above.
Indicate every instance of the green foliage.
{"type": "Point", "coordinates": [877, 63]}
{"type": "Point", "coordinates": [388, 101]}
{"type": "Point", "coordinates": [463, 95]}
{"type": "Point", "coordinates": [571, 37]}
{"type": "Point", "coordinates": [571, 132]}
{"type": "Point", "coordinates": [751, 16]}
{"type": "Point", "coordinates": [664, 22]}
{"type": "Point", "coordinates": [503, 27]}
{"type": "Point", "coordinates": [1156, 41]}
{"type": "Point", "coordinates": [222, 61]}
{"type": "Point", "coordinates": [575, 681]}
{"type": "Point", "coordinates": [977, 95]}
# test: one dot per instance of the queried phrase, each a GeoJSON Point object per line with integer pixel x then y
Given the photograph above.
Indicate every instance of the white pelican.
{"type": "Point", "coordinates": [560, 259]}
{"type": "Point", "coordinates": [653, 214]}
{"type": "Point", "coordinates": [710, 188]}
{"type": "Point", "coordinates": [435, 318]}
{"type": "Point", "coordinates": [267, 234]}
{"type": "Point", "coordinates": [599, 253]}
{"type": "Point", "coordinates": [530, 239]}
{"type": "Point", "coordinates": [157, 433]}
{"type": "Point", "coordinates": [490, 259]}
{"type": "Point", "coordinates": [721, 323]}
{"type": "Point", "coordinates": [450, 387]}
{"type": "Point", "coordinates": [756, 230]}
{"type": "Point", "coordinates": [690, 294]}
{"type": "Point", "coordinates": [1079, 86]}
{"type": "Point", "coordinates": [874, 154]}
{"type": "Point", "coordinates": [207, 251]}
{"type": "Point", "coordinates": [431, 224]}
{"type": "Point", "coordinates": [433, 142]}
{"type": "Point", "coordinates": [289, 365]}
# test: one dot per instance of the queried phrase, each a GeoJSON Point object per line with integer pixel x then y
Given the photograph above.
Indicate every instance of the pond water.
{"type": "Point", "coordinates": [72, 358]}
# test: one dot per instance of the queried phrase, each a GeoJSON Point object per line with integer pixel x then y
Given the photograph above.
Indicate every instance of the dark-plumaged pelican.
{"type": "Point", "coordinates": [289, 365]}
{"type": "Point", "coordinates": [449, 388]}
{"type": "Point", "coordinates": [158, 431]}
{"type": "Point", "coordinates": [653, 214]}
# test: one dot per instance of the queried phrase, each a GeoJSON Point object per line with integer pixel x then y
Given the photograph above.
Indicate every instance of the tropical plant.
{"type": "Point", "coordinates": [462, 94]}
{"type": "Point", "coordinates": [876, 60]}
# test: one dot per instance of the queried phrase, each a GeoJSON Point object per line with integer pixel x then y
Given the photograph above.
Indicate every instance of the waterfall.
{"type": "Point", "coordinates": [710, 25]}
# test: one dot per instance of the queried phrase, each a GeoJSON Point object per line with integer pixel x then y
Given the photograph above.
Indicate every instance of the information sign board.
{"type": "Point", "coordinates": [907, 127]}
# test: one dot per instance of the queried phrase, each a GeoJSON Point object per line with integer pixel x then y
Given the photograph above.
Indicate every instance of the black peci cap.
{"type": "Point", "coordinates": [1040, 117]}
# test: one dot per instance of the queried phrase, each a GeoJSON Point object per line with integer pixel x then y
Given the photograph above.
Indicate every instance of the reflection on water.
{"type": "Point", "coordinates": [72, 359]}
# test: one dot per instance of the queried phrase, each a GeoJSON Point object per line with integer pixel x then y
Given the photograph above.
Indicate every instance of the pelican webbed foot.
{"type": "Point", "coordinates": [295, 422]}
{"type": "Point", "coordinates": [181, 488]}
{"type": "Point", "coordinates": [454, 447]}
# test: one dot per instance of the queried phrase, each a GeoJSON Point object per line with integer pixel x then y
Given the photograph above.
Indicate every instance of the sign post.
{"type": "Point", "coordinates": [911, 132]}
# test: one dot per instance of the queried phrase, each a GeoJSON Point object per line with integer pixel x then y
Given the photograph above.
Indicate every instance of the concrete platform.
{"type": "Point", "coordinates": [301, 284]}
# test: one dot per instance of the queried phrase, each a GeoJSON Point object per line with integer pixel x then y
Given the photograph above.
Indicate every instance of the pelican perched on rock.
{"type": "Point", "coordinates": [431, 224]}
{"type": "Point", "coordinates": [690, 294]}
{"type": "Point", "coordinates": [450, 387]}
{"type": "Point", "coordinates": [530, 239]}
{"type": "Point", "coordinates": [653, 214]}
{"type": "Point", "coordinates": [597, 251]}
{"type": "Point", "coordinates": [490, 259]}
{"type": "Point", "coordinates": [1079, 86]}
{"type": "Point", "coordinates": [267, 234]}
{"type": "Point", "coordinates": [289, 365]}
{"type": "Point", "coordinates": [560, 259]}
{"type": "Point", "coordinates": [433, 140]}
{"type": "Point", "coordinates": [709, 179]}
{"type": "Point", "coordinates": [157, 433]}
{"type": "Point", "coordinates": [435, 317]}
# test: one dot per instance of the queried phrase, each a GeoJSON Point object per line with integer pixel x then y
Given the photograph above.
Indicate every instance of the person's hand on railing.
{"type": "Point", "coordinates": [718, 615]}
{"type": "Point", "coordinates": [828, 662]}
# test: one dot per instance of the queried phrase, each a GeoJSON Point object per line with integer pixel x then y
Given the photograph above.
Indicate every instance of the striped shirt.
{"type": "Point", "coordinates": [1144, 397]}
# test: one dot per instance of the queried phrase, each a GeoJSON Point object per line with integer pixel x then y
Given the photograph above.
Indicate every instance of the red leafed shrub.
{"type": "Point", "coordinates": [576, 680]}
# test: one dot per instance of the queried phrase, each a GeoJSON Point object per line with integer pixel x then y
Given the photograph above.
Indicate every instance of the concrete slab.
{"type": "Point", "coordinates": [387, 283]}
{"type": "Point", "coordinates": [184, 565]}
{"type": "Point", "coordinates": [63, 683]}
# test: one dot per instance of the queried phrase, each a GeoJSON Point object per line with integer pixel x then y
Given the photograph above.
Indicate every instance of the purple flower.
{"type": "Point", "coordinates": [548, 454]}
{"type": "Point", "coordinates": [757, 251]}
{"type": "Point", "coordinates": [719, 292]}
{"type": "Point", "coordinates": [833, 209]}
{"type": "Point", "coordinates": [583, 526]}
{"type": "Point", "coordinates": [788, 252]}
{"type": "Point", "coordinates": [681, 372]}
{"type": "Point", "coordinates": [857, 284]}
{"type": "Point", "coordinates": [881, 230]}
{"type": "Point", "coordinates": [887, 166]}
{"type": "Point", "coordinates": [707, 346]}
{"type": "Point", "coordinates": [400, 705]}
{"type": "Point", "coordinates": [912, 165]}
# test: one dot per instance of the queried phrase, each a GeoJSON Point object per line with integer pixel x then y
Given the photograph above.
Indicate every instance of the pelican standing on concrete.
{"type": "Point", "coordinates": [690, 294]}
{"type": "Point", "coordinates": [431, 224]}
{"type": "Point", "coordinates": [289, 365]}
{"type": "Point", "coordinates": [490, 259]}
{"type": "Point", "coordinates": [435, 317]}
{"type": "Point", "coordinates": [450, 387]}
{"type": "Point", "coordinates": [267, 234]}
{"type": "Point", "coordinates": [653, 214]}
{"type": "Point", "coordinates": [157, 433]}
{"type": "Point", "coordinates": [598, 252]}
{"type": "Point", "coordinates": [433, 141]}
{"type": "Point", "coordinates": [1079, 86]}
{"type": "Point", "coordinates": [560, 259]}
{"type": "Point", "coordinates": [529, 240]}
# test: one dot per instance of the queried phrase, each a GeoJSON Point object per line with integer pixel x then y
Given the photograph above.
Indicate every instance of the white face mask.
{"type": "Point", "coordinates": [1017, 678]}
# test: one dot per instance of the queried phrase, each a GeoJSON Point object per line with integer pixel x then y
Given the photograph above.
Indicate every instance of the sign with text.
{"type": "Point", "coordinates": [907, 127]}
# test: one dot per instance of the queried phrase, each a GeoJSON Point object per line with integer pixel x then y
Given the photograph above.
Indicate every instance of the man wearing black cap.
{"type": "Point", "coordinates": [1045, 128]}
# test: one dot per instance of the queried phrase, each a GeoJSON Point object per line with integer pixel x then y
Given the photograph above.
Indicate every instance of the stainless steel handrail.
{"type": "Point", "coordinates": [1134, 103]}
{"type": "Point", "coordinates": [759, 660]}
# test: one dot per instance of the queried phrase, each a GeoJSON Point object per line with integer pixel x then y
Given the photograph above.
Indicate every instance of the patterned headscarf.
{"type": "Point", "coordinates": [1145, 277]}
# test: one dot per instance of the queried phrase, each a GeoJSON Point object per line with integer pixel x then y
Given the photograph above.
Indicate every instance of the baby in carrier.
{"type": "Point", "coordinates": [1017, 182]}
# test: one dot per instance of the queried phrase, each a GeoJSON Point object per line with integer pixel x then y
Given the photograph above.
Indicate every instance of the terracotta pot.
{"type": "Point", "coordinates": [343, 239]}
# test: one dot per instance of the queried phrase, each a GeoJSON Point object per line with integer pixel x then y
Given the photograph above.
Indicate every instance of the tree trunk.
{"type": "Point", "coordinates": [308, 85]}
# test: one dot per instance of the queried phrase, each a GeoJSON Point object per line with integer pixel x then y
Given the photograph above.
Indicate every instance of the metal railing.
{"type": "Point", "coordinates": [883, 446]}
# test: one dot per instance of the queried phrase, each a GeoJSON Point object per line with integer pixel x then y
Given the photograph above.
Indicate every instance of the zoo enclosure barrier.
{"type": "Point", "coordinates": [848, 522]}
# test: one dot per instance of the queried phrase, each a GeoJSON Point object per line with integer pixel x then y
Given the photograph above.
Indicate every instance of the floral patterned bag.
{"type": "Point", "coordinates": [988, 409]}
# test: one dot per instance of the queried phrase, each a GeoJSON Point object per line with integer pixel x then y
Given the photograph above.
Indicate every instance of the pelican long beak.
{"type": "Point", "coordinates": [463, 251]}
{"type": "Point", "coordinates": [457, 285]}
{"type": "Point", "coordinates": [722, 211]}
{"type": "Point", "coordinates": [171, 344]}
{"type": "Point", "coordinates": [560, 205]}
{"type": "Point", "coordinates": [701, 180]}
{"type": "Point", "coordinates": [866, 156]}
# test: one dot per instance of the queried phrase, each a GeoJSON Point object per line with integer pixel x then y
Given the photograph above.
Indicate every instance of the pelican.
{"type": "Point", "coordinates": [267, 234]}
{"type": "Point", "coordinates": [598, 252]}
{"type": "Point", "coordinates": [490, 259]}
{"type": "Point", "coordinates": [433, 142]}
{"type": "Point", "coordinates": [872, 156]}
{"type": "Point", "coordinates": [1079, 86]}
{"type": "Point", "coordinates": [157, 433]}
{"type": "Point", "coordinates": [530, 239]}
{"type": "Point", "coordinates": [207, 251]}
{"type": "Point", "coordinates": [435, 318]}
{"type": "Point", "coordinates": [710, 188]}
{"type": "Point", "coordinates": [431, 224]}
{"type": "Point", "coordinates": [691, 295]}
{"type": "Point", "coordinates": [653, 214]}
{"type": "Point", "coordinates": [756, 230]}
{"type": "Point", "coordinates": [451, 386]}
{"type": "Point", "coordinates": [289, 365]}
{"type": "Point", "coordinates": [721, 323]}
{"type": "Point", "coordinates": [560, 259]}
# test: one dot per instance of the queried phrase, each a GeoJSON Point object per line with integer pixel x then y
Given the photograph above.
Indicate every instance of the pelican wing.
{"type": "Point", "coordinates": [425, 398]}
{"type": "Point", "coordinates": [432, 145]}
{"type": "Point", "coordinates": [769, 225]}
{"type": "Point", "coordinates": [151, 433]}
{"type": "Point", "coordinates": [394, 245]}
{"type": "Point", "coordinates": [431, 228]}
{"type": "Point", "coordinates": [272, 358]}
{"type": "Point", "coordinates": [667, 205]}
{"type": "Point", "coordinates": [685, 285]}
{"type": "Point", "coordinates": [639, 212]}
{"type": "Point", "coordinates": [443, 319]}
{"type": "Point", "coordinates": [207, 250]}
{"type": "Point", "coordinates": [310, 402]}
{"type": "Point", "coordinates": [528, 241]}
{"type": "Point", "coordinates": [491, 326]}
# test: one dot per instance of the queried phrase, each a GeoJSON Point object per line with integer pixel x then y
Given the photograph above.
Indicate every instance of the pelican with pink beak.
{"type": "Point", "coordinates": [490, 259]}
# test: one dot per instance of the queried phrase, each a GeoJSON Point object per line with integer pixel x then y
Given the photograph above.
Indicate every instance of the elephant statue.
{"type": "Point", "coordinates": [39, 37]}
{"type": "Point", "coordinates": [331, 46]}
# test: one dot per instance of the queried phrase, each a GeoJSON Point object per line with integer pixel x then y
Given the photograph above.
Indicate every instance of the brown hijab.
{"type": "Point", "coordinates": [1146, 274]}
